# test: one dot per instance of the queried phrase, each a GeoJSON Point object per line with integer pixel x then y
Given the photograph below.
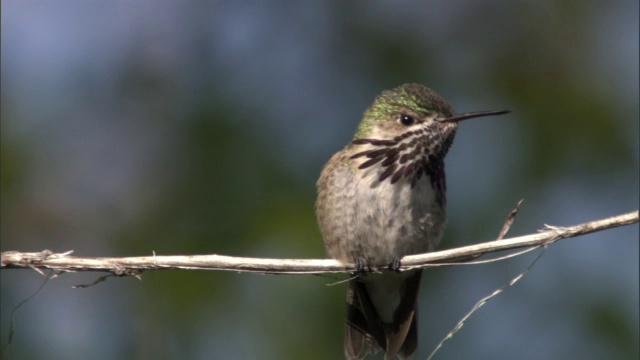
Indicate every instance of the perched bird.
{"type": "Point", "coordinates": [383, 197]}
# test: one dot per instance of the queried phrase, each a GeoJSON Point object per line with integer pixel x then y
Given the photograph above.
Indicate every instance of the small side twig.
{"type": "Point", "coordinates": [509, 221]}
{"type": "Point", "coordinates": [505, 228]}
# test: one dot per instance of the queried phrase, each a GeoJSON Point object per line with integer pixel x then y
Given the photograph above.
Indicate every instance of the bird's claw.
{"type": "Point", "coordinates": [394, 265]}
{"type": "Point", "coordinates": [363, 266]}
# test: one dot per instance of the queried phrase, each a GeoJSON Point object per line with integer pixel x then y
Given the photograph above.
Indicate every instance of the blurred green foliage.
{"type": "Point", "coordinates": [219, 179]}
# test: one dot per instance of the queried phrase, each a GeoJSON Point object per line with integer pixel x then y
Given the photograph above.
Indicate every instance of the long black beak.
{"type": "Point", "coordinates": [472, 115]}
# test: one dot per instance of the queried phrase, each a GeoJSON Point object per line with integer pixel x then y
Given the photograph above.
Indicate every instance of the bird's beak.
{"type": "Point", "coordinates": [472, 115]}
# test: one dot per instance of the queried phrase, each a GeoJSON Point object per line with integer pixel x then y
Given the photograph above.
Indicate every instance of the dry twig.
{"type": "Point", "coordinates": [132, 266]}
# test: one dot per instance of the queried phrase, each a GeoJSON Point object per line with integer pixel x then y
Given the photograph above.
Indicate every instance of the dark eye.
{"type": "Point", "coordinates": [406, 120]}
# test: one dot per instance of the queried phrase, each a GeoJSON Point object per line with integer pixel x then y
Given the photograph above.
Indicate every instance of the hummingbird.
{"type": "Point", "coordinates": [383, 197]}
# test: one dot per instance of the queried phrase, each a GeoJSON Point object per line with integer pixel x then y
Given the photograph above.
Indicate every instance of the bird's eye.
{"type": "Point", "coordinates": [406, 120]}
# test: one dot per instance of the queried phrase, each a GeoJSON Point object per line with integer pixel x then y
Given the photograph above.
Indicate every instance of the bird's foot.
{"type": "Point", "coordinates": [363, 267]}
{"type": "Point", "coordinates": [394, 265]}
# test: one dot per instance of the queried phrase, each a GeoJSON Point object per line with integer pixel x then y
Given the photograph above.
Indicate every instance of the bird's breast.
{"type": "Point", "coordinates": [363, 218]}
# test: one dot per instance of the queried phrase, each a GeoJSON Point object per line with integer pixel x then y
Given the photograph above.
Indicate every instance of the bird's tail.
{"type": "Point", "coordinates": [367, 333]}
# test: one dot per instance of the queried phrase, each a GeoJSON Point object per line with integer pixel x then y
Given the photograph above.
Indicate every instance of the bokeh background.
{"type": "Point", "coordinates": [201, 127]}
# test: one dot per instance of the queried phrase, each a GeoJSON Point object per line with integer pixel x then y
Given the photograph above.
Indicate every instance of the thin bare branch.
{"type": "Point", "coordinates": [132, 266]}
{"type": "Point", "coordinates": [483, 301]}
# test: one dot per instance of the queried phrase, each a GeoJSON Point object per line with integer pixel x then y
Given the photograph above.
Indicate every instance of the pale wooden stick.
{"type": "Point", "coordinates": [124, 266]}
